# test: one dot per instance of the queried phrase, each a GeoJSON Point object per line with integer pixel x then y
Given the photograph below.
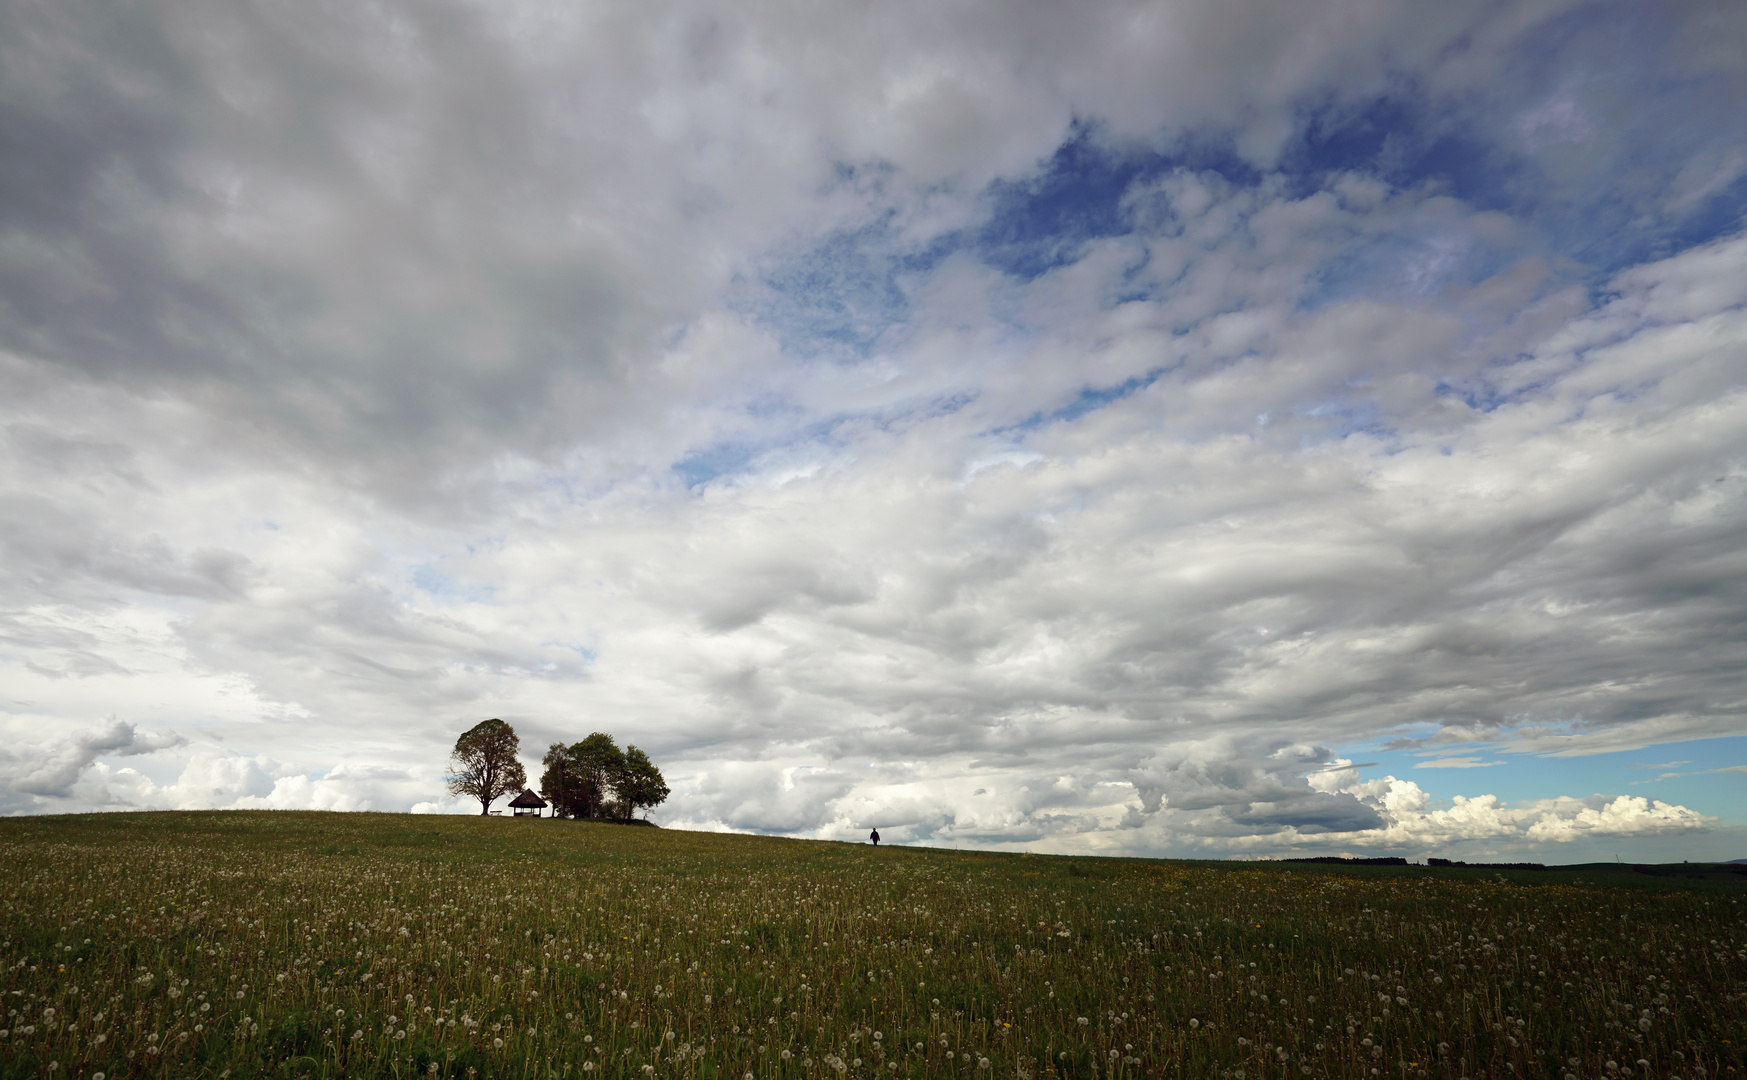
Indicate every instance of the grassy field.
{"type": "Point", "coordinates": [234, 945]}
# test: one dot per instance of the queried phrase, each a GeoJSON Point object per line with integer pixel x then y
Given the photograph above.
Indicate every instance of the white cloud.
{"type": "Point", "coordinates": [1411, 823]}
{"type": "Point", "coordinates": [33, 772]}
{"type": "Point", "coordinates": [242, 782]}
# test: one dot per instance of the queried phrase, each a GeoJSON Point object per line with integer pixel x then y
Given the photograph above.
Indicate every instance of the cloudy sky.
{"type": "Point", "coordinates": [1186, 428]}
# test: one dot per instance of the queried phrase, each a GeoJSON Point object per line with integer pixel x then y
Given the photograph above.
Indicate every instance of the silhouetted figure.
{"type": "Point", "coordinates": [875, 837]}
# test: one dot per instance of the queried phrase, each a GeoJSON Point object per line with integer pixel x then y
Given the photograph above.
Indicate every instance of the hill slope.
{"type": "Point", "coordinates": [304, 944]}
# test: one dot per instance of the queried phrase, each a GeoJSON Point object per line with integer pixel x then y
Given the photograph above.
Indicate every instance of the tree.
{"type": "Point", "coordinates": [595, 761]}
{"type": "Point", "coordinates": [638, 783]}
{"type": "Point", "coordinates": [483, 764]}
{"type": "Point", "coordinates": [559, 783]}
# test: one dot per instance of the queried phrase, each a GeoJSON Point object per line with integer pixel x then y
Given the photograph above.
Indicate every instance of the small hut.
{"type": "Point", "coordinates": [528, 804]}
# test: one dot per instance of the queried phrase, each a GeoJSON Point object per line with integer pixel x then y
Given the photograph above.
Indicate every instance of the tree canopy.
{"type": "Point", "coordinates": [638, 783]}
{"type": "Point", "coordinates": [483, 764]}
{"type": "Point", "coordinates": [593, 778]}
{"type": "Point", "coordinates": [560, 782]}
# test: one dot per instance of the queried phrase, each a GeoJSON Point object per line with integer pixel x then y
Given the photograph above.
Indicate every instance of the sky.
{"type": "Point", "coordinates": [1234, 429]}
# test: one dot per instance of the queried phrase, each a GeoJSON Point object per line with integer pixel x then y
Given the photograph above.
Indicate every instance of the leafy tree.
{"type": "Point", "coordinates": [559, 782]}
{"type": "Point", "coordinates": [638, 783]}
{"type": "Point", "coordinates": [595, 762]}
{"type": "Point", "coordinates": [483, 765]}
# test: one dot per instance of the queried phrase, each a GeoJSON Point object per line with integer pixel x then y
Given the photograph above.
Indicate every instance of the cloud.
{"type": "Point", "coordinates": [1455, 763]}
{"type": "Point", "coordinates": [50, 770]}
{"type": "Point", "coordinates": [1006, 425]}
{"type": "Point", "coordinates": [1699, 772]}
{"type": "Point", "coordinates": [1409, 822]}
{"type": "Point", "coordinates": [244, 782]}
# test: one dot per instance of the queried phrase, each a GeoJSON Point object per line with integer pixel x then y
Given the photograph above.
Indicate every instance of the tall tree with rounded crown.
{"type": "Point", "coordinates": [595, 762]}
{"type": "Point", "coordinates": [559, 783]}
{"type": "Point", "coordinates": [483, 765]}
{"type": "Point", "coordinates": [638, 783]}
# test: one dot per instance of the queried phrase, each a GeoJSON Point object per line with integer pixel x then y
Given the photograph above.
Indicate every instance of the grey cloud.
{"type": "Point", "coordinates": [765, 796]}
{"type": "Point", "coordinates": [1261, 785]}
{"type": "Point", "coordinates": [1310, 815]}
{"type": "Point", "coordinates": [44, 539]}
{"type": "Point", "coordinates": [298, 218]}
{"type": "Point", "coordinates": [399, 239]}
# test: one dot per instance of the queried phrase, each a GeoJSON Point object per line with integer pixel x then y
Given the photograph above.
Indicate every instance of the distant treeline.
{"type": "Point", "coordinates": [1384, 861]}
{"type": "Point", "coordinates": [1395, 860]}
{"type": "Point", "coordinates": [1488, 865]}
{"type": "Point", "coordinates": [595, 779]}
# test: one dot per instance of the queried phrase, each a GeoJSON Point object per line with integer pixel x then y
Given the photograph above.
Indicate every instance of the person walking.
{"type": "Point", "coordinates": [875, 837]}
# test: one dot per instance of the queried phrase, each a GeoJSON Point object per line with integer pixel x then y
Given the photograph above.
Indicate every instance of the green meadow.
{"type": "Point", "coordinates": [290, 944]}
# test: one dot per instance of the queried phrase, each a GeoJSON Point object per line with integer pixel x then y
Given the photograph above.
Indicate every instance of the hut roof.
{"type": "Point", "coordinates": [527, 798]}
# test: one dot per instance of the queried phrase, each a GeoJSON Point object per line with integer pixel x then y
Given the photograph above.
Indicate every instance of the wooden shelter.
{"type": "Point", "coordinates": [528, 804]}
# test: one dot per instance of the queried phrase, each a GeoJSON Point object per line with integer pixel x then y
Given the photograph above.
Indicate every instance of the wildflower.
{"type": "Point", "coordinates": [1082, 1021]}
{"type": "Point", "coordinates": [497, 1044]}
{"type": "Point", "coordinates": [1194, 1023]}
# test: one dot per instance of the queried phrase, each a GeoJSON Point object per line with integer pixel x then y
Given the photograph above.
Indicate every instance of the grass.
{"type": "Point", "coordinates": [233, 944]}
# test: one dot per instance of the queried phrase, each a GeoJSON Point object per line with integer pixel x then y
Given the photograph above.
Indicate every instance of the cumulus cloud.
{"type": "Point", "coordinates": [1412, 823]}
{"type": "Point", "coordinates": [243, 782]}
{"type": "Point", "coordinates": [1005, 425]}
{"type": "Point", "coordinates": [50, 769]}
